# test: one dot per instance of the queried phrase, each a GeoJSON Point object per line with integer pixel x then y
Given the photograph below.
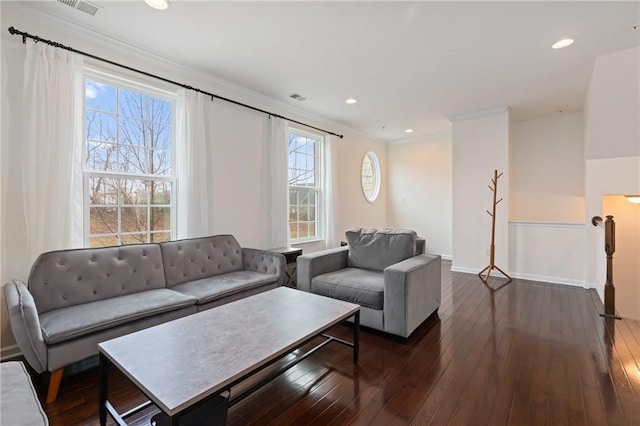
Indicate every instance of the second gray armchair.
{"type": "Point", "coordinates": [397, 286]}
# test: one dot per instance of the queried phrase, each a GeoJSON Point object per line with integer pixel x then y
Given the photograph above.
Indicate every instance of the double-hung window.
{"type": "Point", "coordinates": [305, 188]}
{"type": "Point", "coordinates": [129, 173]}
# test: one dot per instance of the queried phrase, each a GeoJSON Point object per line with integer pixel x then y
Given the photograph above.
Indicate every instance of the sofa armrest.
{"type": "Point", "coordinates": [412, 292]}
{"type": "Point", "coordinates": [318, 263]}
{"type": "Point", "coordinates": [266, 262]}
{"type": "Point", "coordinates": [25, 324]}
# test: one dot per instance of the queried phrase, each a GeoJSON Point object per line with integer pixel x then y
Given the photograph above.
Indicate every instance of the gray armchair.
{"type": "Point", "coordinates": [384, 271]}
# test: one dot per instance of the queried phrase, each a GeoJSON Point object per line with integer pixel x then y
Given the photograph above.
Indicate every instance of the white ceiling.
{"type": "Point", "coordinates": [410, 64]}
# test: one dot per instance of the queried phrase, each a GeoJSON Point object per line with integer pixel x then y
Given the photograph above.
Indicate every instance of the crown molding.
{"type": "Point", "coordinates": [82, 38]}
{"type": "Point", "coordinates": [478, 114]}
{"type": "Point", "coordinates": [423, 138]}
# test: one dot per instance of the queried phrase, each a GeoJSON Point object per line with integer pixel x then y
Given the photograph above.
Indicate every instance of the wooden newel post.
{"type": "Point", "coordinates": [609, 248]}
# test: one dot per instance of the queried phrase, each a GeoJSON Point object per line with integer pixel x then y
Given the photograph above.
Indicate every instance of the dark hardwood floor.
{"type": "Point", "coordinates": [527, 353]}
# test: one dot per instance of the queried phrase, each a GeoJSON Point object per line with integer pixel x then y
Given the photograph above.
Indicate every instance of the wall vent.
{"type": "Point", "coordinates": [71, 3]}
{"type": "Point", "coordinates": [82, 6]}
{"type": "Point", "coordinates": [297, 97]}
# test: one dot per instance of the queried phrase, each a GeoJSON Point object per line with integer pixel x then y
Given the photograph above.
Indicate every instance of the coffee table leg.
{"type": "Point", "coordinates": [104, 367]}
{"type": "Point", "coordinates": [356, 337]}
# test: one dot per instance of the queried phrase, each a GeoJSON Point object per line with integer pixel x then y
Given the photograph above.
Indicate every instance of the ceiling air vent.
{"type": "Point", "coordinates": [82, 6]}
{"type": "Point", "coordinates": [297, 97]}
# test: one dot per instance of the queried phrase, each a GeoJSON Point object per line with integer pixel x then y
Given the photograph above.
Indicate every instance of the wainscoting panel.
{"type": "Point", "coordinates": [548, 251]}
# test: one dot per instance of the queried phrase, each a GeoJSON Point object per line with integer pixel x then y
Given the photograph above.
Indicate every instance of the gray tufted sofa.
{"type": "Point", "coordinates": [77, 298]}
{"type": "Point", "coordinates": [385, 271]}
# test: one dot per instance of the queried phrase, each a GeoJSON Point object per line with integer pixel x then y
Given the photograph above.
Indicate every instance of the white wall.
{"type": "Point", "coordinates": [355, 210]}
{"type": "Point", "coordinates": [546, 228]}
{"type": "Point", "coordinates": [548, 170]}
{"type": "Point", "coordinates": [612, 106]}
{"type": "Point", "coordinates": [236, 158]}
{"type": "Point", "coordinates": [480, 146]}
{"type": "Point", "coordinates": [612, 145]}
{"type": "Point", "coordinates": [420, 190]}
{"type": "Point", "coordinates": [237, 171]}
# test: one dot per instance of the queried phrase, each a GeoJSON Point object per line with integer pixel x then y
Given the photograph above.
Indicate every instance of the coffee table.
{"type": "Point", "coordinates": [182, 362]}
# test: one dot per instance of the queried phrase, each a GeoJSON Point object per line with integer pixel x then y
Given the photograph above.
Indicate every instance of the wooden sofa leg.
{"type": "Point", "coordinates": [54, 385]}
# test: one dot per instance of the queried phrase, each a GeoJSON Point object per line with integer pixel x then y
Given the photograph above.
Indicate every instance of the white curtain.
{"type": "Point", "coordinates": [275, 184]}
{"type": "Point", "coordinates": [52, 149]}
{"type": "Point", "coordinates": [192, 160]}
{"type": "Point", "coordinates": [331, 205]}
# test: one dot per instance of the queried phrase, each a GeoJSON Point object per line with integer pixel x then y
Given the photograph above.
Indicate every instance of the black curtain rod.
{"type": "Point", "coordinates": [24, 35]}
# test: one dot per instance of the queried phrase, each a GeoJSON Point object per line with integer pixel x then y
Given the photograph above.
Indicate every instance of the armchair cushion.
{"type": "Point", "coordinates": [361, 286]}
{"type": "Point", "coordinates": [376, 249]}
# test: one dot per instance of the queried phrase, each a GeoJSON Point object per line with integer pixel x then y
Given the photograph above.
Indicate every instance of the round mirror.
{"type": "Point", "coordinates": [370, 176]}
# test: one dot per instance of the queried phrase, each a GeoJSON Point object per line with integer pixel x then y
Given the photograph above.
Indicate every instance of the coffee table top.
{"type": "Point", "coordinates": [181, 362]}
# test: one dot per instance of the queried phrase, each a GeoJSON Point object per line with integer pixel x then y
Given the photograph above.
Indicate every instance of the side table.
{"type": "Point", "coordinates": [291, 255]}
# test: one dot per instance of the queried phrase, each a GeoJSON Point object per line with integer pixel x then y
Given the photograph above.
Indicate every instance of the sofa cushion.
{"type": "Point", "coordinates": [67, 323]}
{"type": "Point", "coordinates": [362, 286]}
{"type": "Point", "coordinates": [60, 279]}
{"type": "Point", "coordinates": [218, 286]}
{"type": "Point", "coordinates": [376, 249]}
{"type": "Point", "coordinates": [197, 258]}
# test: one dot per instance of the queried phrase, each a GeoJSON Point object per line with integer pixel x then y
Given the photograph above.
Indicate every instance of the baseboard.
{"type": "Point", "coordinates": [551, 280]}
{"type": "Point", "coordinates": [464, 270]}
{"type": "Point", "coordinates": [446, 257]}
{"type": "Point", "coordinates": [9, 352]}
{"type": "Point", "coordinates": [528, 277]}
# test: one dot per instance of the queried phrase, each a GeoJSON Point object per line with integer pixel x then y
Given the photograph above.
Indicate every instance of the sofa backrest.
{"type": "Point", "coordinates": [376, 249]}
{"type": "Point", "coordinates": [65, 278]}
{"type": "Point", "coordinates": [196, 258]}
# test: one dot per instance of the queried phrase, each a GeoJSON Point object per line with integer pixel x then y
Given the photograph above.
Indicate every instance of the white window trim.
{"type": "Point", "coordinates": [319, 155]}
{"type": "Point", "coordinates": [120, 81]}
{"type": "Point", "coordinates": [375, 164]}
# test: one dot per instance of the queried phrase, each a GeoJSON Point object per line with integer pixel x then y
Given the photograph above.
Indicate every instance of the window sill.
{"type": "Point", "coordinates": [309, 245]}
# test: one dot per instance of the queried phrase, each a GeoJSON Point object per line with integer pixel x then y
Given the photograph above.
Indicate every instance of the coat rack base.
{"type": "Point", "coordinates": [488, 270]}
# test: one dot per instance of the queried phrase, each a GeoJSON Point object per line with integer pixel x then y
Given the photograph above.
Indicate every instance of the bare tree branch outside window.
{"type": "Point", "coordinates": [129, 161]}
{"type": "Point", "coordinates": [303, 186]}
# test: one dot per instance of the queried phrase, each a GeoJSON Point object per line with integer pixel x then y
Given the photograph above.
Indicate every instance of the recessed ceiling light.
{"type": "Point", "coordinates": [562, 43]}
{"type": "Point", "coordinates": [350, 101]}
{"type": "Point", "coordinates": [158, 4]}
{"type": "Point", "coordinates": [409, 131]}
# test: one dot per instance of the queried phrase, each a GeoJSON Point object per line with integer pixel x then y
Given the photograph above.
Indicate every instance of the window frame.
{"type": "Point", "coordinates": [318, 188]}
{"type": "Point", "coordinates": [375, 168]}
{"type": "Point", "coordinates": [121, 82]}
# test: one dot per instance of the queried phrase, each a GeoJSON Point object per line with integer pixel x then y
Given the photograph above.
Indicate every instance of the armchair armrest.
{"type": "Point", "coordinates": [25, 324]}
{"type": "Point", "coordinates": [412, 291]}
{"type": "Point", "coordinates": [318, 263]}
{"type": "Point", "coordinates": [264, 261]}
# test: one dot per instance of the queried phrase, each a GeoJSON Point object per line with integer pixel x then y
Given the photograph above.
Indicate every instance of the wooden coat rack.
{"type": "Point", "coordinates": [492, 250]}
